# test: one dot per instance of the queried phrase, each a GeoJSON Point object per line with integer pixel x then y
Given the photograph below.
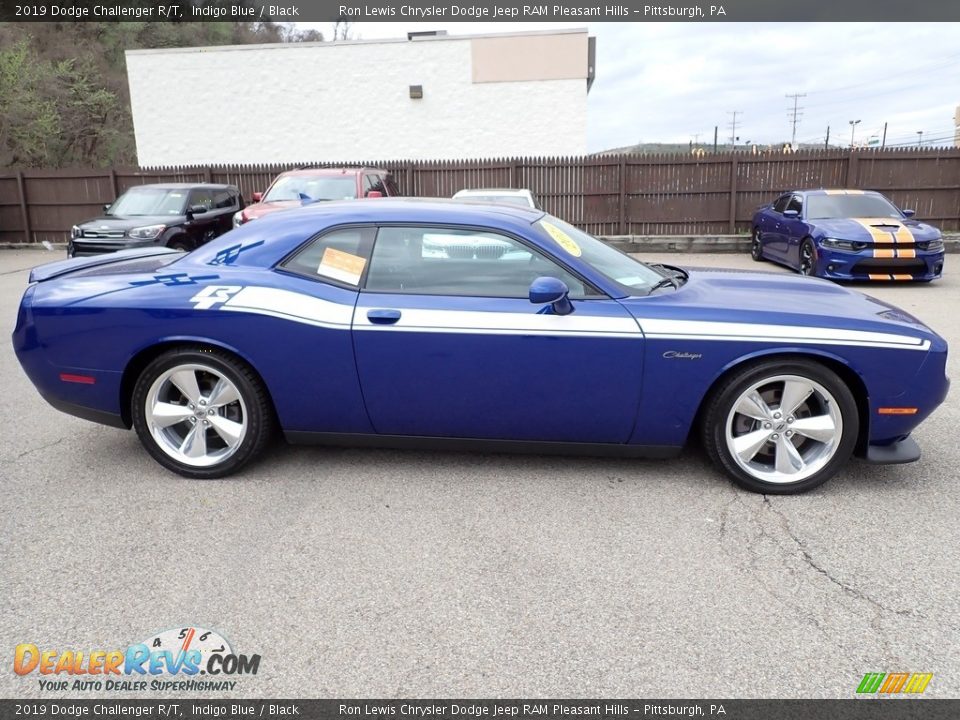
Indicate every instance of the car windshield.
{"type": "Point", "coordinates": [822, 207]}
{"type": "Point", "coordinates": [149, 201]}
{"type": "Point", "coordinates": [617, 266]}
{"type": "Point", "coordinates": [503, 199]}
{"type": "Point", "coordinates": [314, 187]}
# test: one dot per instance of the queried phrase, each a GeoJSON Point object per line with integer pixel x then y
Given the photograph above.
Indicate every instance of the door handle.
{"type": "Point", "coordinates": [383, 317]}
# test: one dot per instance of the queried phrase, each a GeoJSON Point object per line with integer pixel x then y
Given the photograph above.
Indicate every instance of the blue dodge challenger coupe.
{"type": "Point", "coordinates": [434, 323]}
{"type": "Point", "coordinates": [846, 235]}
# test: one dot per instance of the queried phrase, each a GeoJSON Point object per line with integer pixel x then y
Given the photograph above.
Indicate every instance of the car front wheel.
{"type": "Point", "coordinates": [781, 427]}
{"type": "Point", "coordinates": [201, 413]}
{"type": "Point", "coordinates": [808, 258]}
{"type": "Point", "coordinates": [756, 248]}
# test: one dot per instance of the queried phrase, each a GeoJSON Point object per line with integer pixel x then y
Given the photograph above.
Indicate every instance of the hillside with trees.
{"type": "Point", "coordinates": [64, 98]}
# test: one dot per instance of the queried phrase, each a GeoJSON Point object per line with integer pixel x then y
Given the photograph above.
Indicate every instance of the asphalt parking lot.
{"type": "Point", "coordinates": [360, 573]}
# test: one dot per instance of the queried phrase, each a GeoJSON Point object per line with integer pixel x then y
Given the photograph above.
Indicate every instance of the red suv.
{"type": "Point", "coordinates": [295, 187]}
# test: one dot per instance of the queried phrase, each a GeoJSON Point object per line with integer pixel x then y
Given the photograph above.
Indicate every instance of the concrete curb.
{"type": "Point", "coordinates": [628, 243]}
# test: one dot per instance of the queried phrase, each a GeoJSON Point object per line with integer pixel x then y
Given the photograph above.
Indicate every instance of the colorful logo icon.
{"type": "Point", "coordinates": [894, 683]}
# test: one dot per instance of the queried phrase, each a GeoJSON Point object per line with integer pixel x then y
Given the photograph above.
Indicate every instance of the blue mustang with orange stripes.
{"type": "Point", "coordinates": [465, 325]}
{"type": "Point", "coordinates": [846, 235]}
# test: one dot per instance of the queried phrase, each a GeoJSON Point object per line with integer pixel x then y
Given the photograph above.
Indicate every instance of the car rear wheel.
{"type": "Point", "coordinates": [781, 427]}
{"type": "Point", "coordinates": [808, 258]}
{"type": "Point", "coordinates": [201, 413]}
{"type": "Point", "coordinates": [180, 244]}
{"type": "Point", "coordinates": [756, 249]}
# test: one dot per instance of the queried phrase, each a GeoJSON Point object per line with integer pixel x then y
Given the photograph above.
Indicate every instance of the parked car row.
{"type": "Point", "coordinates": [184, 216]}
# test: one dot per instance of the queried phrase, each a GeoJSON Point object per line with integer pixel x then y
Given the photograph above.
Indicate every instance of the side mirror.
{"type": "Point", "coordinates": [374, 194]}
{"type": "Point", "coordinates": [106, 207]}
{"type": "Point", "coordinates": [791, 214]}
{"type": "Point", "coordinates": [550, 290]}
{"type": "Point", "coordinates": [909, 213]}
{"type": "Point", "coordinates": [256, 197]}
{"type": "Point", "coordinates": [196, 209]}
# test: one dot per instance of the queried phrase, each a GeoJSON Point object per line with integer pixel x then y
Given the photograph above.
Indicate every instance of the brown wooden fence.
{"type": "Point", "coordinates": [603, 194]}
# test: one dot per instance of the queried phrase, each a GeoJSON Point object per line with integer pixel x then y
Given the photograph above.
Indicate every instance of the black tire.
{"type": "Point", "coordinates": [808, 258]}
{"type": "Point", "coordinates": [721, 403]}
{"type": "Point", "coordinates": [258, 412]}
{"type": "Point", "coordinates": [756, 250]}
{"type": "Point", "coordinates": [180, 243]}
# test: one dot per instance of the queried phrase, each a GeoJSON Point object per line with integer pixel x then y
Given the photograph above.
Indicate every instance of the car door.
{"type": "Point", "coordinates": [794, 230]}
{"type": "Point", "coordinates": [449, 345]}
{"type": "Point", "coordinates": [225, 204]}
{"type": "Point", "coordinates": [202, 227]}
{"type": "Point", "coordinates": [771, 228]}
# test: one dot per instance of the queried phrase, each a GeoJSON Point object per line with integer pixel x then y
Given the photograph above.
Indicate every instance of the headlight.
{"type": "Point", "coordinates": [75, 232]}
{"type": "Point", "coordinates": [148, 232]}
{"type": "Point", "coordinates": [843, 244]}
{"type": "Point", "coordinates": [932, 246]}
{"type": "Point", "coordinates": [238, 218]}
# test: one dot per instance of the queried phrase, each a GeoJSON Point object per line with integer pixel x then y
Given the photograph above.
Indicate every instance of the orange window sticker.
{"type": "Point", "coordinates": [342, 266]}
{"type": "Point", "coordinates": [563, 240]}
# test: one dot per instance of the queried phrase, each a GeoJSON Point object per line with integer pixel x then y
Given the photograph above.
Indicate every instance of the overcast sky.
{"type": "Point", "coordinates": [668, 82]}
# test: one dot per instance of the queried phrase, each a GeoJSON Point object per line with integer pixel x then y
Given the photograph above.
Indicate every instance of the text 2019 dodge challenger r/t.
{"type": "Point", "coordinates": [413, 323]}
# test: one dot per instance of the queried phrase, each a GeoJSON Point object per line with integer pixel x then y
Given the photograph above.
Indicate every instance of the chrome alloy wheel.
{"type": "Point", "coordinates": [807, 259]}
{"type": "Point", "coordinates": [196, 415]}
{"type": "Point", "coordinates": [784, 429]}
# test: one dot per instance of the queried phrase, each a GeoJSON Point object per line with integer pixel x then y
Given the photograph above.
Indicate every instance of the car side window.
{"type": "Point", "coordinates": [459, 262]}
{"type": "Point", "coordinates": [781, 204]}
{"type": "Point", "coordinates": [391, 184]}
{"type": "Point", "coordinates": [373, 182]}
{"type": "Point", "coordinates": [795, 203]}
{"type": "Point", "coordinates": [340, 255]}
{"type": "Point", "coordinates": [203, 197]}
{"type": "Point", "coordinates": [224, 200]}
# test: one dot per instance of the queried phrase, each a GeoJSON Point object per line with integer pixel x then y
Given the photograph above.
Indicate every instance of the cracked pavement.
{"type": "Point", "coordinates": [367, 573]}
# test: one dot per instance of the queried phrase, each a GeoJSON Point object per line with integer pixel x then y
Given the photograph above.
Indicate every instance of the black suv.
{"type": "Point", "coordinates": [177, 215]}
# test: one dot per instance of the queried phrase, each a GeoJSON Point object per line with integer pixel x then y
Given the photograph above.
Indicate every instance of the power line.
{"type": "Point", "coordinates": [733, 126]}
{"type": "Point", "coordinates": [794, 116]}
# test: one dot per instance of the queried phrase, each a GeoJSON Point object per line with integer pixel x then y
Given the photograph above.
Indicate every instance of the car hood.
{"type": "Point", "coordinates": [257, 210]}
{"type": "Point", "coordinates": [106, 223]}
{"type": "Point", "coordinates": [733, 296]}
{"type": "Point", "coordinates": [860, 228]}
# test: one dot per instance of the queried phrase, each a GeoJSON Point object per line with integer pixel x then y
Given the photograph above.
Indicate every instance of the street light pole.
{"type": "Point", "coordinates": [853, 129]}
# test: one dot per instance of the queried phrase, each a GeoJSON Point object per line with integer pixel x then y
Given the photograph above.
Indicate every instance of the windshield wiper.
{"type": "Point", "coordinates": [671, 281]}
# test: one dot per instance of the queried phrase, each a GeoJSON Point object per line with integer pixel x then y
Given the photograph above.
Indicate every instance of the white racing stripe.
{"type": "Point", "coordinates": [290, 306]}
{"type": "Point", "coordinates": [751, 332]}
{"type": "Point", "coordinates": [502, 323]}
{"type": "Point", "coordinates": [301, 308]}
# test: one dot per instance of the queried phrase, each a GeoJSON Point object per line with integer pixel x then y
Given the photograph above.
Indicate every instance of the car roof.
{"type": "Point", "coordinates": [183, 186]}
{"type": "Point", "coordinates": [332, 170]}
{"type": "Point", "coordinates": [833, 191]}
{"type": "Point", "coordinates": [492, 191]}
{"type": "Point", "coordinates": [409, 209]}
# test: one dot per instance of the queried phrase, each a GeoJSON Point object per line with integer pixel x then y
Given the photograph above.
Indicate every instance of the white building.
{"type": "Point", "coordinates": [424, 97]}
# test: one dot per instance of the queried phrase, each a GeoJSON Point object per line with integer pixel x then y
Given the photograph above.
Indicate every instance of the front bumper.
{"type": "Point", "coordinates": [903, 451]}
{"type": "Point", "coordinates": [867, 264]}
{"type": "Point", "coordinates": [84, 247]}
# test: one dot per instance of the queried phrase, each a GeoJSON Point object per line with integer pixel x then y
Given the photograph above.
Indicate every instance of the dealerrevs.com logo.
{"type": "Point", "coordinates": [171, 660]}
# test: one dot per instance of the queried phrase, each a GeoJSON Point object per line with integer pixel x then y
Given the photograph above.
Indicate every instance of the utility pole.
{"type": "Point", "coordinates": [826, 143]}
{"type": "Point", "coordinates": [715, 138]}
{"type": "Point", "coordinates": [733, 127]}
{"type": "Point", "coordinates": [883, 143]}
{"type": "Point", "coordinates": [919, 138]}
{"type": "Point", "coordinates": [794, 115]}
